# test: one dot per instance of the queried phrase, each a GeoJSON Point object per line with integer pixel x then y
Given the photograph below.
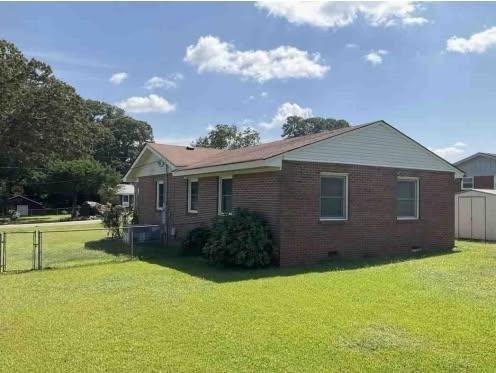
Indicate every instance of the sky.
{"type": "Point", "coordinates": [429, 69]}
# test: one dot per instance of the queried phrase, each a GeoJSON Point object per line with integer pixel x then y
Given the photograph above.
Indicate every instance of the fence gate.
{"type": "Point", "coordinates": [19, 251]}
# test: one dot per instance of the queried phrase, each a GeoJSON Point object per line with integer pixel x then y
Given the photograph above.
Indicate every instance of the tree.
{"type": "Point", "coordinates": [224, 136]}
{"type": "Point", "coordinates": [121, 137]}
{"type": "Point", "coordinates": [74, 177]}
{"type": "Point", "coordinates": [297, 126]}
{"type": "Point", "coordinates": [41, 117]}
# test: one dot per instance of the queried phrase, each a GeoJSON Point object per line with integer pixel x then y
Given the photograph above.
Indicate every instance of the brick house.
{"type": "Point", "coordinates": [359, 191]}
{"type": "Point", "coordinates": [480, 171]}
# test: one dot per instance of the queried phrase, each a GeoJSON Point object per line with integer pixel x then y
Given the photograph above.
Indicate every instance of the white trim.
{"type": "Point", "coordinates": [157, 207]}
{"type": "Point", "coordinates": [467, 177]}
{"type": "Point", "coordinates": [219, 194]}
{"type": "Point", "coordinates": [193, 180]}
{"type": "Point", "coordinates": [135, 163]}
{"type": "Point", "coordinates": [345, 197]}
{"type": "Point", "coordinates": [417, 198]}
{"type": "Point", "coordinates": [271, 164]}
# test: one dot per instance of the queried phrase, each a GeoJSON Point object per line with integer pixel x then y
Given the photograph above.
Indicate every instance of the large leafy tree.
{"type": "Point", "coordinates": [121, 137]}
{"type": "Point", "coordinates": [297, 126]}
{"type": "Point", "coordinates": [224, 136]}
{"type": "Point", "coordinates": [79, 176]}
{"type": "Point", "coordinates": [41, 117]}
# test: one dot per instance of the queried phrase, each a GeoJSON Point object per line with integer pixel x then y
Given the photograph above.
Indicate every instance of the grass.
{"type": "Point", "coordinates": [177, 314]}
{"type": "Point", "coordinates": [37, 219]}
{"type": "Point", "coordinates": [63, 246]}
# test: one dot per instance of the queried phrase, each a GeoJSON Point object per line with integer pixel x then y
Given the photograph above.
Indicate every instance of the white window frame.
{"type": "Point", "coordinates": [194, 180]}
{"type": "Point", "coordinates": [219, 197]}
{"type": "Point", "coordinates": [463, 182]}
{"type": "Point", "coordinates": [417, 198]}
{"type": "Point", "coordinates": [125, 200]}
{"type": "Point", "coordinates": [340, 175]}
{"type": "Point", "coordinates": [157, 199]}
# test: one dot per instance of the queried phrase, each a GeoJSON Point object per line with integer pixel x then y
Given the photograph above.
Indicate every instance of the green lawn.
{"type": "Point", "coordinates": [37, 219]}
{"type": "Point", "coordinates": [177, 314]}
{"type": "Point", "coordinates": [63, 246]}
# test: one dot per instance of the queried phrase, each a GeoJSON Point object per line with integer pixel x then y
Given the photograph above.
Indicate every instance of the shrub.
{"type": "Point", "coordinates": [195, 241]}
{"type": "Point", "coordinates": [241, 239]}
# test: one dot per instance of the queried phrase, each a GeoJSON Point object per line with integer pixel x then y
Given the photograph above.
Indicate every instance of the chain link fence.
{"type": "Point", "coordinates": [36, 250]}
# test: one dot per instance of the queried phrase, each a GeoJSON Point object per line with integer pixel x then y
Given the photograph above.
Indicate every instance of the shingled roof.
{"type": "Point", "coordinates": [182, 156]}
{"type": "Point", "coordinates": [267, 150]}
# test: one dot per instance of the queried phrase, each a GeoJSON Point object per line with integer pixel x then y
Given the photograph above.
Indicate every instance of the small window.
{"type": "Point", "coordinates": [125, 200]}
{"type": "Point", "coordinates": [193, 195]}
{"type": "Point", "coordinates": [407, 198]}
{"type": "Point", "coordinates": [333, 197]}
{"type": "Point", "coordinates": [467, 183]}
{"type": "Point", "coordinates": [225, 195]}
{"type": "Point", "coordinates": [160, 200]}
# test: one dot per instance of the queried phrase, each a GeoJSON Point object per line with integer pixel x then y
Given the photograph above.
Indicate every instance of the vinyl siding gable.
{"type": "Point", "coordinates": [376, 145]}
{"type": "Point", "coordinates": [479, 166]}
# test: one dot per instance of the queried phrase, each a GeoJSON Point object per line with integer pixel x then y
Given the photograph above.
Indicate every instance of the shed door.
{"type": "Point", "coordinates": [472, 218]}
{"type": "Point", "coordinates": [478, 218]}
{"type": "Point", "coordinates": [464, 217]}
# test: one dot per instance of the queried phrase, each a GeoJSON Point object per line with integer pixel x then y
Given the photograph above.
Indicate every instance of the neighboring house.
{"type": "Point", "coordinates": [125, 193]}
{"type": "Point", "coordinates": [480, 171]}
{"type": "Point", "coordinates": [353, 192]}
{"type": "Point", "coordinates": [23, 205]}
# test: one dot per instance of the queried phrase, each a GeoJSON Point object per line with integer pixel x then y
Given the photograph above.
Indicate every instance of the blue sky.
{"type": "Point", "coordinates": [429, 69]}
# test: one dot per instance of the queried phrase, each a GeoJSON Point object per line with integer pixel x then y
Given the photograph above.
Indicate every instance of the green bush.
{"type": "Point", "coordinates": [195, 241]}
{"type": "Point", "coordinates": [241, 239]}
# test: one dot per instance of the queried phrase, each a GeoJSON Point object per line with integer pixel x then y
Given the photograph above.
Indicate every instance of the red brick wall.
{"type": "Point", "coordinates": [257, 192]}
{"type": "Point", "coordinates": [484, 182]}
{"type": "Point", "coordinates": [372, 227]}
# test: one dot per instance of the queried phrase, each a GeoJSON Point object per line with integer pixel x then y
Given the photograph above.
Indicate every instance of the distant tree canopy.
{"type": "Point", "coordinates": [43, 120]}
{"type": "Point", "coordinates": [224, 136]}
{"type": "Point", "coordinates": [121, 137]}
{"type": "Point", "coordinates": [79, 176]}
{"type": "Point", "coordinates": [297, 126]}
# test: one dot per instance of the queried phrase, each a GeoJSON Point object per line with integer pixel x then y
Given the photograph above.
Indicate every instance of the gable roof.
{"type": "Point", "coordinates": [25, 198]}
{"type": "Point", "coordinates": [268, 150]}
{"type": "Point", "coordinates": [182, 156]}
{"type": "Point", "coordinates": [479, 154]}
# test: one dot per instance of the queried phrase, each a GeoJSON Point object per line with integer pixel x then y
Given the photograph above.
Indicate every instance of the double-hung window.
{"type": "Point", "coordinates": [407, 198]}
{"type": "Point", "coordinates": [225, 195]}
{"type": "Point", "coordinates": [467, 183]}
{"type": "Point", "coordinates": [160, 195]}
{"type": "Point", "coordinates": [333, 196]}
{"type": "Point", "coordinates": [193, 195]}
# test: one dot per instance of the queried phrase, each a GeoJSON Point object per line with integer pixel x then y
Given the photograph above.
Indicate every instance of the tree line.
{"type": "Point", "coordinates": [56, 145]}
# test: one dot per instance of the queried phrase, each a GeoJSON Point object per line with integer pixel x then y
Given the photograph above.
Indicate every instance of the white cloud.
{"type": "Point", "coordinates": [210, 54]}
{"type": "Point", "coordinates": [264, 94]}
{"type": "Point", "coordinates": [477, 43]}
{"type": "Point", "coordinates": [330, 14]}
{"type": "Point", "coordinates": [351, 45]}
{"type": "Point", "coordinates": [451, 151]}
{"type": "Point", "coordinates": [147, 104]}
{"type": "Point", "coordinates": [286, 110]}
{"type": "Point", "coordinates": [166, 83]}
{"type": "Point", "coordinates": [118, 78]}
{"type": "Point", "coordinates": [414, 21]}
{"type": "Point", "coordinates": [375, 57]}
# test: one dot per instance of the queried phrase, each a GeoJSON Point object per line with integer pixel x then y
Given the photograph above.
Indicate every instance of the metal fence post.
{"type": "Point", "coordinates": [35, 249]}
{"type": "Point", "coordinates": [40, 250]}
{"type": "Point", "coordinates": [131, 237]}
{"type": "Point", "coordinates": [2, 255]}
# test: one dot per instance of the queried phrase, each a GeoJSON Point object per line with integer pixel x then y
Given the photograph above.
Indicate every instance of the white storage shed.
{"type": "Point", "coordinates": [475, 214]}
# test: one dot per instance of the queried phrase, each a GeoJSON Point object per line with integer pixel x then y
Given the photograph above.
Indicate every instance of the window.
{"type": "Point", "coordinates": [225, 195]}
{"type": "Point", "coordinates": [407, 198]}
{"type": "Point", "coordinates": [333, 196]}
{"type": "Point", "coordinates": [125, 200]}
{"type": "Point", "coordinates": [193, 195]}
{"type": "Point", "coordinates": [160, 200]}
{"type": "Point", "coordinates": [467, 183]}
